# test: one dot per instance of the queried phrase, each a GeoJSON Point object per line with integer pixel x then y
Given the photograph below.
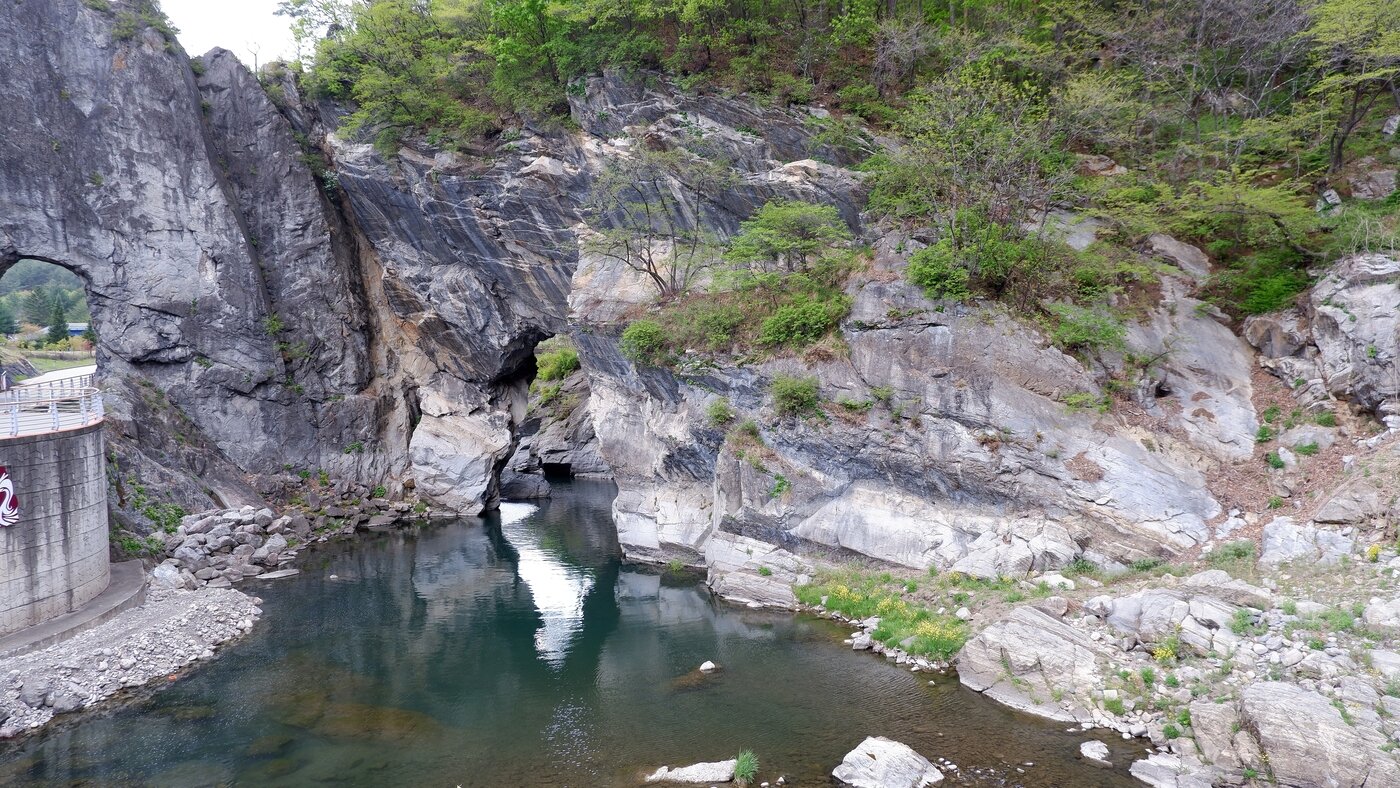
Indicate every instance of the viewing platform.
{"type": "Point", "coordinates": [53, 508]}
{"type": "Point", "coordinates": [63, 404]}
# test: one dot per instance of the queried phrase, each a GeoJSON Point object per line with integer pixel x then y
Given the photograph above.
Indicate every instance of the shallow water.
{"type": "Point", "coordinates": [519, 651]}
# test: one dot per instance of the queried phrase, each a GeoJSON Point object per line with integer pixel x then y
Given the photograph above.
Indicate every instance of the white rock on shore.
{"type": "Point", "coordinates": [884, 763]}
{"type": "Point", "coordinates": [712, 772]}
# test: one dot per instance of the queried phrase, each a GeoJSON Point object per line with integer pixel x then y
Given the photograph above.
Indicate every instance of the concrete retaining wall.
{"type": "Point", "coordinates": [55, 558]}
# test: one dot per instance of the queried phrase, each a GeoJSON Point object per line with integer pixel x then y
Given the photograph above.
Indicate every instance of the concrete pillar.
{"type": "Point", "coordinates": [54, 557]}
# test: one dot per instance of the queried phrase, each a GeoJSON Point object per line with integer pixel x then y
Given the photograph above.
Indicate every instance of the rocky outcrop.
{"type": "Point", "coordinates": [1295, 736]}
{"type": "Point", "coordinates": [1035, 663]}
{"type": "Point", "coordinates": [884, 763]}
{"type": "Point", "coordinates": [954, 456]}
{"type": "Point", "coordinates": [1341, 343]}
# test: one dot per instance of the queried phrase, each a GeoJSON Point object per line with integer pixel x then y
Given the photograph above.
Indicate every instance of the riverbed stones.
{"type": "Point", "coordinates": [712, 772]}
{"type": "Point", "coordinates": [174, 628]}
{"type": "Point", "coordinates": [879, 762]}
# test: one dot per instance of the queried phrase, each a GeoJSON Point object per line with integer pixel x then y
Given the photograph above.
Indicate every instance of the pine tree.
{"type": "Point", "coordinates": [58, 325]}
{"type": "Point", "coordinates": [7, 321]}
{"type": "Point", "coordinates": [37, 307]}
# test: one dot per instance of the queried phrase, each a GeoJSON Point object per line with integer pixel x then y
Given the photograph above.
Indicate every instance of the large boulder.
{"type": "Point", "coordinates": [1219, 584]}
{"type": "Point", "coordinates": [1308, 743]}
{"type": "Point", "coordinates": [1029, 659]}
{"type": "Point", "coordinates": [1200, 621]}
{"type": "Point", "coordinates": [1383, 615]}
{"type": "Point", "coordinates": [1285, 541]}
{"type": "Point", "coordinates": [883, 763]}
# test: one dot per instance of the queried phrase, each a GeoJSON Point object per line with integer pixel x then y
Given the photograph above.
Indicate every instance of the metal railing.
{"type": "Point", "coordinates": [35, 410]}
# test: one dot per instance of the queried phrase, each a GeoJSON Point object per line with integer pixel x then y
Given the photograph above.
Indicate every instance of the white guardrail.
{"type": "Point", "coordinates": [35, 410]}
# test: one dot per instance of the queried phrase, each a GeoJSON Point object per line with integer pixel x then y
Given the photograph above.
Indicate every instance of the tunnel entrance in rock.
{"type": "Point", "coordinates": [47, 335]}
{"type": "Point", "coordinates": [554, 440]}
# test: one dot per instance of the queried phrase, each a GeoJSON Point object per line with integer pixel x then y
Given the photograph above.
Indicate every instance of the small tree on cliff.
{"type": "Point", "coordinates": [647, 208]}
{"type": "Point", "coordinates": [58, 325]}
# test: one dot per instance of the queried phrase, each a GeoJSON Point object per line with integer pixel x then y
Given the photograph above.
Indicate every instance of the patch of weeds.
{"type": "Point", "coordinates": [1273, 460]}
{"type": "Point", "coordinates": [719, 412]}
{"type": "Point", "coordinates": [1306, 449]}
{"type": "Point", "coordinates": [795, 396]}
{"type": "Point", "coordinates": [764, 571]}
{"type": "Point", "coordinates": [1230, 552]}
{"type": "Point", "coordinates": [1114, 706]}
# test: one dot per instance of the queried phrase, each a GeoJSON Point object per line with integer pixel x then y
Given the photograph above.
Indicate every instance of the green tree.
{"type": "Point", "coordinates": [648, 207]}
{"type": "Point", "coordinates": [58, 325]}
{"type": "Point", "coordinates": [788, 235]}
{"type": "Point", "coordinates": [37, 308]}
{"type": "Point", "coordinates": [7, 320]}
{"type": "Point", "coordinates": [1357, 46]}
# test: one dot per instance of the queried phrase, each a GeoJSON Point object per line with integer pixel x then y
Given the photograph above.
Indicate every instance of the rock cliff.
{"type": "Point", "coordinates": [273, 298]}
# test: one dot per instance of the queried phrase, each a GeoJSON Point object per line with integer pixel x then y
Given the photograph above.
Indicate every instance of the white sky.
{"type": "Point", "coordinates": [240, 26]}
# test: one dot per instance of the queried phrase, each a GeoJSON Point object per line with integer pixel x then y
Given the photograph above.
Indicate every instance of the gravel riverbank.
{"type": "Point", "coordinates": [173, 630]}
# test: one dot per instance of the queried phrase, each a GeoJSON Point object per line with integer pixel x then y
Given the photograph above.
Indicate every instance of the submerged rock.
{"type": "Point", "coordinates": [1095, 752]}
{"type": "Point", "coordinates": [884, 763]}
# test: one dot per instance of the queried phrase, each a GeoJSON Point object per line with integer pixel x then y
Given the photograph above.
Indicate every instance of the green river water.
{"type": "Point", "coordinates": [517, 650]}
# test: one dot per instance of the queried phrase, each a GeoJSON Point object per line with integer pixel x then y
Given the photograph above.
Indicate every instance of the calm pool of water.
{"type": "Point", "coordinates": [518, 651]}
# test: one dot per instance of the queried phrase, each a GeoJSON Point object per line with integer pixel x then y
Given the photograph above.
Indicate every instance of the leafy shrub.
{"type": "Point", "coordinates": [644, 343]}
{"type": "Point", "coordinates": [719, 412]}
{"type": "Point", "coordinates": [1264, 434]}
{"type": "Point", "coordinates": [1326, 419]}
{"type": "Point", "coordinates": [1241, 550]}
{"type": "Point", "coordinates": [1171, 731]}
{"type": "Point", "coordinates": [802, 322]}
{"type": "Point", "coordinates": [1114, 706]}
{"type": "Point", "coordinates": [794, 396]}
{"type": "Point", "coordinates": [935, 269]}
{"type": "Point", "coordinates": [1274, 461]}
{"type": "Point", "coordinates": [1306, 449]}
{"type": "Point", "coordinates": [556, 364]}
{"type": "Point", "coordinates": [1078, 328]}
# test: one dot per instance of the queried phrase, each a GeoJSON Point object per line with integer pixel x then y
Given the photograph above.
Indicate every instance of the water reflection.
{"type": "Point", "coordinates": [557, 590]}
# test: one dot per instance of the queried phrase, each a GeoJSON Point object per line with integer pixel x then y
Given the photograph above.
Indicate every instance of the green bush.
{"type": "Point", "coordinates": [1078, 328]}
{"type": "Point", "coordinates": [794, 396]}
{"type": "Point", "coordinates": [745, 767]}
{"type": "Point", "coordinates": [644, 343]}
{"type": "Point", "coordinates": [935, 269]}
{"type": "Point", "coordinates": [719, 412]}
{"type": "Point", "coordinates": [556, 364]}
{"type": "Point", "coordinates": [1326, 419]}
{"type": "Point", "coordinates": [803, 322]}
{"type": "Point", "coordinates": [1306, 449]}
{"type": "Point", "coordinates": [1241, 550]}
{"type": "Point", "coordinates": [1273, 460]}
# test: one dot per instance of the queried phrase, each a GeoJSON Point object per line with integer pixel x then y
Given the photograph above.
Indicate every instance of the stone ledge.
{"type": "Point", "coordinates": [126, 590]}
